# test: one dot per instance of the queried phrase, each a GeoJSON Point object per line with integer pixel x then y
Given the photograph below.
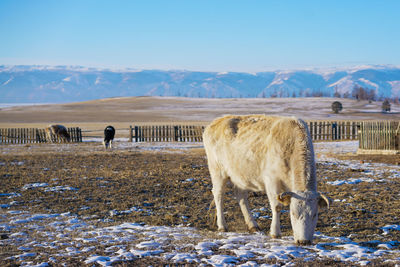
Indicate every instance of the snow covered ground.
{"type": "Point", "coordinates": [128, 241]}
{"type": "Point", "coordinates": [70, 235]}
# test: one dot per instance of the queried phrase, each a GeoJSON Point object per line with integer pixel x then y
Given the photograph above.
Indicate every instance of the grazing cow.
{"type": "Point", "coordinates": [109, 133]}
{"type": "Point", "coordinates": [266, 154]}
{"type": "Point", "coordinates": [56, 131]}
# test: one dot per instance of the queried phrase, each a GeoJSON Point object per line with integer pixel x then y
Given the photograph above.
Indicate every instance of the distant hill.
{"type": "Point", "coordinates": [54, 84]}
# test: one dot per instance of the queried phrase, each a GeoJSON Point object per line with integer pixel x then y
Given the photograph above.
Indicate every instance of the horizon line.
{"type": "Point", "coordinates": [133, 69]}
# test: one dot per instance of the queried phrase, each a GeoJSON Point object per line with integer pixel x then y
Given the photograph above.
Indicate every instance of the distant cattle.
{"type": "Point", "coordinates": [266, 154]}
{"type": "Point", "coordinates": [109, 133]}
{"type": "Point", "coordinates": [57, 133]}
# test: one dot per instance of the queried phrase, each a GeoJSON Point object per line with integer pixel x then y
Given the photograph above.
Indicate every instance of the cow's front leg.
{"type": "Point", "coordinates": [275, 230]}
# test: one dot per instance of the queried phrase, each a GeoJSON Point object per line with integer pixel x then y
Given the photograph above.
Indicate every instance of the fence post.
{"type": "Point", "coordinates": [136, 133]}
{"type": "Point", "coordinates": [37, 136]}
{"type": "Point", "coordinates": [175, 133]}
{"type": "Point", "coordinates": [75, 134]}
{"type": "Point", "coordinates": [334, 131]}
{"type": "Point", "coordinates": [397, 141]}
{"type": "Point", "coordinates": [44, 136]}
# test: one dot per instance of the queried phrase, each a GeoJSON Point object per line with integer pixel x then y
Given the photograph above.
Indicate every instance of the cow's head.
{"type": "Point", "coordinates": [67, 136]}
{"type": "Point", "coordinates": [304, 213]}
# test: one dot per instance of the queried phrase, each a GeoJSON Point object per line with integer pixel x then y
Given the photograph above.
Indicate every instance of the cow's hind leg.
{"type": "Point", "coordinates": [241, 196]}
{"type": "Point", "coordinates": [219, 182]}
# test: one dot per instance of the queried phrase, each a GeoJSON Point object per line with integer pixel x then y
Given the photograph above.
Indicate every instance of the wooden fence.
{"type": "Point", "coordinates": [34, 135]}
{"type": "Point", "coordinates": [372, 135]}
{"type": "Point", "coordinates": [379, 135]}
{"type": "Point", "coordinates": [166, 133]}
{"type": "Point", "coordinates": [333, 130]}
{"type": "Point", "coordinates": [319, 130]}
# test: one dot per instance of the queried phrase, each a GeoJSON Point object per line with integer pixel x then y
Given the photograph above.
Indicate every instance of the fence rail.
{"type": "Point", "coordinates": [34, 135]}
{"type": "Point", "coordinates": [380, 135]}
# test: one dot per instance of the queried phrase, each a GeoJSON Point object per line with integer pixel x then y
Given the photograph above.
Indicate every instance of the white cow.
{"type": "Point", "coordinates": [266, 154]}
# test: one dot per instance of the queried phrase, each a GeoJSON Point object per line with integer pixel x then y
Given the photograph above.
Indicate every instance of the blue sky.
{"type": "Point", "coordinates": [201, 35]}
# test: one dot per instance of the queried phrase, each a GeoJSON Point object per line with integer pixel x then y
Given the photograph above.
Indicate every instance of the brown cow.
{"type": "Point", "coordinates": [57, 132]}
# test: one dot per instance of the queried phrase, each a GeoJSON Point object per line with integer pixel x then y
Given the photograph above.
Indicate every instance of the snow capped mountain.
{"type": "Point", "coordinates": [75, 83]}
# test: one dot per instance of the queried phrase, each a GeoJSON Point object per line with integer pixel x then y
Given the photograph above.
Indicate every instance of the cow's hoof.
{"type": "Point", "coordinates": [303, 242]}
{"type": "Point", "coordinates": [275, 236]}
{"type": "Point", "coordinates": [222, 230]}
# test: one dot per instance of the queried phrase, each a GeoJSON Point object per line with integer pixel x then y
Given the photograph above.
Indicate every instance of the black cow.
{"type": "Point", "coordinates": [109, 133]}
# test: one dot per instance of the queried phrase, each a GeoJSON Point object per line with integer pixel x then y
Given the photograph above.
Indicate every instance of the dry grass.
{"type": "Point", "coordinates": [93, 116]}
{"type": "Point", "coordinates": [166, 186]}
{"type": "Point", "coordinates": [173, 109]}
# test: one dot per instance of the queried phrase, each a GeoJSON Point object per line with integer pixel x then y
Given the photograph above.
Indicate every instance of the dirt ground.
{"type": "Point", "coordinates": [173, 187]}
{"type": "Point", "coordinates": [167, 185]}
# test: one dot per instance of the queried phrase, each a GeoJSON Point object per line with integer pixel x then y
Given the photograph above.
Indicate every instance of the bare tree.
{"type": "Point", "coordinates": [371, 96]}
{"type": "Point", "coordinates": [385, 106]}
{"type": "Point", "coordinates": [336, 94]}
{"type": "Point", "coordinates": [361, 93]}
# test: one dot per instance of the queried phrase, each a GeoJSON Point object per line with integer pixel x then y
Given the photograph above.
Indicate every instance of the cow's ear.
{"type": "Point", "coordinates": [284, 198]}
{"type": "Point", "coordinates": [324, 201]}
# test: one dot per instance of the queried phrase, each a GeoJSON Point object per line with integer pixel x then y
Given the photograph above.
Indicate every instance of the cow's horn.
{"type": "Point", "coordinates": [284, 197]}
{"type": "Point", "coordinates": [325, 199]}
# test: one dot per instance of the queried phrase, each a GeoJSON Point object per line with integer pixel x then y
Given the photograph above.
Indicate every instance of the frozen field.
{"type": "Point", "coordinates": [42, 237]}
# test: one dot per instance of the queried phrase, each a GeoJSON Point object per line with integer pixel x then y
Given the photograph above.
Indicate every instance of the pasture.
{"type": "Point", "coordinates": [143, 204]}
{"type": "Point", "coordinates": [147, 204]}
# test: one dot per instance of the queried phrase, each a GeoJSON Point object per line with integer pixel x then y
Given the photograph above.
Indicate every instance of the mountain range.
{"type": "Point", "coordinates": [57, 84]}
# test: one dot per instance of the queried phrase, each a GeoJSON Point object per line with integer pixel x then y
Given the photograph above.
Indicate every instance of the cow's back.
{"type": "Point", "coordinates": [247, 147]}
